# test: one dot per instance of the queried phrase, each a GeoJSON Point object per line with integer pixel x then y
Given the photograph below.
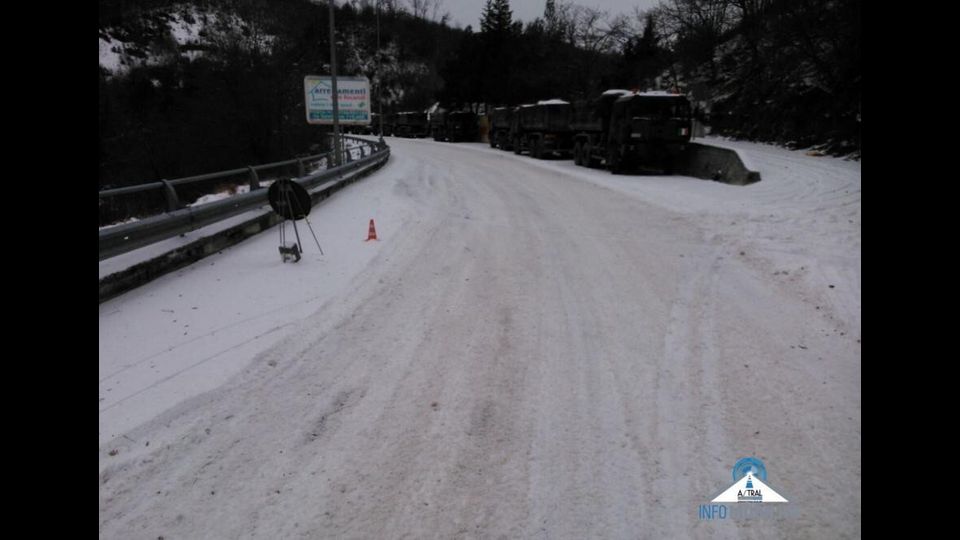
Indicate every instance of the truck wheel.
{"type": "Point", "coordinates": [613, 161]}
{"type": "Point", "coordinates": [587, 158]}
{"type": "Point", "coordinates": [669, 167]}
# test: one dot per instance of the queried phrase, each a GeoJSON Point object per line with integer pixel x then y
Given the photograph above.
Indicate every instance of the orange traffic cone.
{"type": "Point", "coordinates": [372, 233]}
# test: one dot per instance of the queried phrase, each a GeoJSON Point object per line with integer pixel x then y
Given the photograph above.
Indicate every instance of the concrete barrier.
{"type": "Point", "coordinates": [715, 163]}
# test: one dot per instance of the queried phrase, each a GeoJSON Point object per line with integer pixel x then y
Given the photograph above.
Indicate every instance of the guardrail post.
{"type": "Point", "coordinates": [170, 194]}
{"type": "Point", "coordinates": [254, 179]}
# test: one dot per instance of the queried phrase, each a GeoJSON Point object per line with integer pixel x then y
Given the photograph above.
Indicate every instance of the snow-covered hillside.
{"type": "Point", "coordinates": [186, 31]}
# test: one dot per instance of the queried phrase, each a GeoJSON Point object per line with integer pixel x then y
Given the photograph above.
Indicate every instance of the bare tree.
{"type": "Point", "coordinates": [427, 9]}
{"type": "Point", "coordinates": [694, 28]}
{"type": "Point", "coordinates": [591, 29]}
{"type": "Point", "coordinates": [751, 8]}
{"type": "Point", "coordinates": [686, 18]}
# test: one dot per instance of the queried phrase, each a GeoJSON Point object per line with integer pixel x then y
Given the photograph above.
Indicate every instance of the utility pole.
{"type": "Point", "coordinates": [379, 74]}
{"type": "Point", "coordinates": [337, 155]}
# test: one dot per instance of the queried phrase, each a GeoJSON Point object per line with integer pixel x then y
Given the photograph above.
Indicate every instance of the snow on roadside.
{"type": "Point", "coordinates": [374, 339]}
{"type": "Point", "coordinates": [124, 222]}
{"type": "Point", "coordinates": [220, 195]}
{"type": "Point", "coordinates": [190, 331]}
{"type": "Point", "coordinates": [801, 222]}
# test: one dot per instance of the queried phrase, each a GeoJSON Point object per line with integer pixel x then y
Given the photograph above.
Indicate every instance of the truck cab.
{"type": "Point", "coordinates": [648, 129]}
{"type": "Point", "coordinates": [411, 124]}
{"type": "Point", "coordinates": [454, 126]}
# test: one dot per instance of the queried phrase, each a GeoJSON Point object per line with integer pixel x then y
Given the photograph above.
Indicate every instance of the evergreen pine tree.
{"type": "Point", "coordinates": [497, 17]}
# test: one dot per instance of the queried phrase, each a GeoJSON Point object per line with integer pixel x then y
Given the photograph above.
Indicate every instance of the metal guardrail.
{"type": "Point", "coordinates": [252, 171]}
{"type": "Point", "coordinates": [129, 236]}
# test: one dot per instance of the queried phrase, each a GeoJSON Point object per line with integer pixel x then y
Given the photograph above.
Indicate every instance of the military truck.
{"type": "Point", "coordinates": [411, 124]}
{"type": "Point", "coordinates": [542, 129]}
{"type": "Point", "coordinates": [389, 123]}
{"type": "Point", "coordinates": [500, 128]}
{"type": "Point", "coordinates": [454, 126]}
{"type": "Point", "coordinates": [372, 128]}
{"type": "Point", "coordinates": [625, 129]}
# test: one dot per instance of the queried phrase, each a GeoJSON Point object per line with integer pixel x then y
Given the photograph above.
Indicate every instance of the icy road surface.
{"type": "Point", "coordinates": [532, 349]}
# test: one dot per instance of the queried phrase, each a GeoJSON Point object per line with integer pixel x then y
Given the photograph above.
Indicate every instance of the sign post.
{"type": "Point", "coordinates": [337, 149]}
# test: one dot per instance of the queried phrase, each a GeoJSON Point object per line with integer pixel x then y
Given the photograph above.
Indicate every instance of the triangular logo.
{"type": "Point", "coordinates": [749, 489]}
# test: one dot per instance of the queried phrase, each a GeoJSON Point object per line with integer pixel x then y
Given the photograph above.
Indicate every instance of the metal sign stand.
{"type": "Point", "coordinates": [292, 202]}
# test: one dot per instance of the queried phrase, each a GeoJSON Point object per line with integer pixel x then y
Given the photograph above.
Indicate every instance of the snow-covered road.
{"type": "Point", "coordinates": [531, 350]}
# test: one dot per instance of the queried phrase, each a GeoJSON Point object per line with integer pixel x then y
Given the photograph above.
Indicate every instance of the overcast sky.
{"type": "Point", "coordinates": [464, 12]}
